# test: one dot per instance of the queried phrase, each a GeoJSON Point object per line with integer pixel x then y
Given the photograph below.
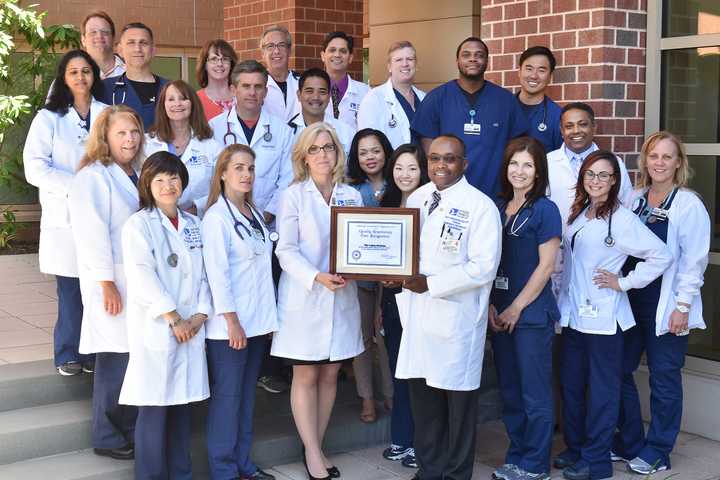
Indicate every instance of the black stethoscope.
{"type": "Point", "coordinates": [267, 136]}
{"type": "Point", "coordinates": [256, 233]}
{"type": "Point", "coordinates": [659, 213]}
{"type": "Point", "coordinates": [513, 231]}
{"type": "Point", "coordinates": [609, 240]}
{"type": "Point", "coordinates": [542, 126]}
{"type": "Point", "coordinates": [172, 259]}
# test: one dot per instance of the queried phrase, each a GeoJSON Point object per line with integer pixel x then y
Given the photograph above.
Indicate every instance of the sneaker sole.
{"type": "Point", "coordinates": [67, 374]}
{"type": "Point", "coordinates": [649, 472]}
{"type": "Point", "coordinates": [268, 389]}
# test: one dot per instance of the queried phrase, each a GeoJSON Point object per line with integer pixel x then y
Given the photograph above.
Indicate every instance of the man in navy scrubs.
{"type": "Point", "coordinates": [484, 115]}
{"type": "Point", "coordinates": [537, 65]}
{"type": "Point", "coordinates": [138, 87]}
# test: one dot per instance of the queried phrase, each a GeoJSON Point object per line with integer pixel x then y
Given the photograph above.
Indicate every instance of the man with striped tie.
{"type": "Point", "coordinates": [443, 311]}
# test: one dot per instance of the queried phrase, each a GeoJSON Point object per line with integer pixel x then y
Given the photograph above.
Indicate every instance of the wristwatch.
{"type": "Point", "coordinates": [682, 308]}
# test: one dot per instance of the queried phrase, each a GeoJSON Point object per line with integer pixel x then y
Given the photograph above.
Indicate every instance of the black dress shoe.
{"type": "Point", "coordinates": [334, 472]}
{"type": "Point", "coordinates": [260, 475]}
{"type": "Point", "coordinates": [563, 460]}
{"type": "Point", "coordinates": [329, 476]}
{"type": "Point", "coordinates": [579, 472]}
{"type": "Point", "coordinates": [123, 453]}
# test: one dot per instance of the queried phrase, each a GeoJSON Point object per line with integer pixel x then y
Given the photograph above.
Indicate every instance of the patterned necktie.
{"type": "Point", "coordinates": [335, 96]}
{"type": "Point", "coordinates": [435, 202]}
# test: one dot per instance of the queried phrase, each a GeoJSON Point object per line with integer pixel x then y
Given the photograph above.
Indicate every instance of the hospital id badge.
{"type": "Point", "coordinates": [588, 311]}
{"type": "Point", "coordinates": [472, 129]}
{"type": "Point", "coordinates": [502, 283]}
{"type": "Point", "coordinates": [449, 244]}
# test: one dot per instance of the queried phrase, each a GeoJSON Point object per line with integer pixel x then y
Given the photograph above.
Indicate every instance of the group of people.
{"type": "Point", "coordinates": [189, 233]}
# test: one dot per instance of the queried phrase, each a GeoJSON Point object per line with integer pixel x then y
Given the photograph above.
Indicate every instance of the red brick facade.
{"type": "Point", "coordinates": [600, 50]}
{"type": "Point", "coordinates": [307, 20]}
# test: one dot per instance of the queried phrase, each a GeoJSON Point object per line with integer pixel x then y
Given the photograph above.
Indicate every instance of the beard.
{"type": "Point", "coordinates": [472, 77]}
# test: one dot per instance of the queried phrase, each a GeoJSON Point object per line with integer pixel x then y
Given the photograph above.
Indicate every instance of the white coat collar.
{"type": "Point", "coordinates": [569, 153]}
{"type": "Point", "coordinates": [260, 127]}
{"type": "Point", "coordinates": [389, 92]}
{"type": "Point", "coordinates": [123, 179]}
{"type": "Point", "coordinates": [450, 191]}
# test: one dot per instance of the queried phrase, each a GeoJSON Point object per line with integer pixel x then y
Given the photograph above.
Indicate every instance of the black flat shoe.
{"type": "Point", "coordinates": [260, 475]}
{"type": "Point", "coordinates": [333, 472]}
{"type": "Point", "coordinates": [123, 453]}
{"type": "Point", "coordinates": [563, 461]}
{"type": "Point", "coordinates": [577, 473]}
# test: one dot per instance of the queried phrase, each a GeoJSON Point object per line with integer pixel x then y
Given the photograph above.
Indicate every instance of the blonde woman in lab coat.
{"type": "Point", "coordinates": [53, 148]}
{"type": "Point", "coordinates": [102, 197]}
{"type": "Point", "coordinates": [168, 302]}
{"type": "Point", "coordinates": [318, 311]}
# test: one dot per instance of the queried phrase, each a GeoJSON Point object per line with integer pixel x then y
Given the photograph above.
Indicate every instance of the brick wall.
{"type": "Point", "coordinates": [600, 50]}
{"type": "Point", "coordinates": [307, 20]}
{"type": "Point", "coordinates": [193, 21]}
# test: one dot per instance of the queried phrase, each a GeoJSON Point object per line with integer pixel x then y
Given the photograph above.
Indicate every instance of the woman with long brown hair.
{"type": "Point", "coordinates": [216, 62]}
{"type": "Point", "coordinates": [181, 129]}
{"type": "Point", "coordinates": [103, 195]}
{"type": "Point", "coordinates": [238, 253]}
{"type": "Point", "coordinates": [595, 310]}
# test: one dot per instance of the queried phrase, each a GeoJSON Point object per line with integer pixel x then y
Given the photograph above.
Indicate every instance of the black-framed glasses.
{"type": "Point", "coordinates": [269, 47]}
{"type": "Point", "coordinates": [601, 176]}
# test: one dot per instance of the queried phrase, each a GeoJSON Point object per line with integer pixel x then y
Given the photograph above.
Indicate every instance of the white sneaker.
{"type": "Point", "coordinates": [638, 465]}
{"type": "Point", "coordinates": [614, 457]}
{"type": "Point", "coordinates": [505, 472]}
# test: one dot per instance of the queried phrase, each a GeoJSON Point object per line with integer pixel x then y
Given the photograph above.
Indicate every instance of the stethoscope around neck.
{"type": "Point", "coordinates": [542, 126]}
{"type": "Point", "coordinates": [267, 136]}
{"type": "Point", "coordinates": [609, 241]}
{"type": "Point", "coordinates": [257, 234]}
{"type": "Point", "coordinates": [513, 229]}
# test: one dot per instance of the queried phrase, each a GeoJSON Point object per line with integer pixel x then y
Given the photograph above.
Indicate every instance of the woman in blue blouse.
{"type": "Point", "coordinates": [523, 310]}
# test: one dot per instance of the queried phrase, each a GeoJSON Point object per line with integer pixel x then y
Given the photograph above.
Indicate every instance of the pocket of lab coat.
{"type": "Point", "coordinates": [55, 212]}
{"type": "Point", "coordinates": [157, 334]}
{"type": "Point", "coordinates": [442, 318]}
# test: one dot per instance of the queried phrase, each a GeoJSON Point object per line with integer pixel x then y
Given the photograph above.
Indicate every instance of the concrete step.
{"type": "Point", "coordinates": [32, 384]}
{"type": "Point", "coordinates": [276, 442]}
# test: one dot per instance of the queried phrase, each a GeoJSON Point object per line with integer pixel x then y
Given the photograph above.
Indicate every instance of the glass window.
{"type": "Point", "coordinates": [192, 78]}
{"type": "Point", "coordinates": [691, 95]}
{"type": "Point", "coordinates": [168, 67]}
{"type": "Point", "coordinates": [690, 17]}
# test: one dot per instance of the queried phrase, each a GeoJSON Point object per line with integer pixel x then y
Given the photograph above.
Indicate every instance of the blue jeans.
{"type": "Point", "coordinates": [233, 376]}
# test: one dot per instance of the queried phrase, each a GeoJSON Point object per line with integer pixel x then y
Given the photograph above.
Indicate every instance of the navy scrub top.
{"type": "Point", "coordinates": [547, 112]}
{"type": "Point", "coordinates": [520, 258]}
{"type": "Point", "coordinates": [446, 110]}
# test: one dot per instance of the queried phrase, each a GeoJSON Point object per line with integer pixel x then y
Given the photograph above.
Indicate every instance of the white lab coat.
{"type": "Point", "coordinates": [101, 199]}
{"type": "Point", "coordinates": [162, 371]}
{"type": "Point", "coordinates": [275, 103]}
{"type": "Point", "coordinates": [53, 148]}
{"type": "Point", "coordinates": [379, 107]}
{"type": "Point", "coordinates": [315, 323]}
{"type": "Point", "coordinates": [199, 157]}
{"type": "Point", "coordinates": [589, 253]}
{"type": "Point", "coordinates": [273, 165]}
{"type": "Point", "coordinates": [688, 240]}
{"type": "Point", "coordinates": [443, 338]}
{"type": "Point", "coordinates": [344, 132]}
{"type": "Point", "coordinates": [239, 272]}
{"type": "Point", "coordinates": [350, 103]}
{"type": "Point", "coordinates": [561, 190]}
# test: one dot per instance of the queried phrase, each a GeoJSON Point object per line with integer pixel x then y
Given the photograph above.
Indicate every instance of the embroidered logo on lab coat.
{"type": "Point", "coordinates": [198, 160]}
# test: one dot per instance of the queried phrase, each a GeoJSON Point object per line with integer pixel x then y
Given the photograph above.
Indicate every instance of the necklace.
{"type": "Point", "coordinates": [181, 144]}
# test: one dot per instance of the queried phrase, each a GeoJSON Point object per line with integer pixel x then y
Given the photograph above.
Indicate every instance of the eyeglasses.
{"type": "Point", "coordinates": [269, 47]}
{"type": "Point", "coordinates": [94, 33]}
{"type": "Point", "coordinates": [327, 148]}
{"type": "Point", "coordinates": [449, 158]}
{"type": "Point", "coordinates": [602, 176]}
{"type": "Point", "coordinates": [219, 60]}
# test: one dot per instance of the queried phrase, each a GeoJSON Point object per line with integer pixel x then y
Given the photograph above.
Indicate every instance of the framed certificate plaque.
{"type": "Point", "coordinates": [379, 244]}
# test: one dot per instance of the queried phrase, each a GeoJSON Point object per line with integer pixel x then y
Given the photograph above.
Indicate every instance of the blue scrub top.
{"type": "Point", "coordinates": [446, 110]}
{"type": "Point", "coordinates": [537, 114]}
{"type": "Point", "coordinates": [368, 194]}
{"type": "Point", "coordinates": [118, 90]}
{"type": "Point", "coordinates": [520, 258]}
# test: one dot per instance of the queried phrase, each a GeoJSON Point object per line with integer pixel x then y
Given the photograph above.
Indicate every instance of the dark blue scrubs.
{"type": "Point", "coordinates": [665, 359]}
{"type": "Point", "coordinates": [118, 90]}
{"type": "Point", "coordinates": [545, 114]}
{"type": "Point", "coordinates": [446, 110]}
{"type": "Point", "coordinates": [523, 358]}
{"type": "Point", "coordinates": [402, 427]}
{"type": "Point", "coordinates": [409, 112]}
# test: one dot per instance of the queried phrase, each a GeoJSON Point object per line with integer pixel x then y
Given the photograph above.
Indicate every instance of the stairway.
{"type": "Point", "coordinates": [45, 426]}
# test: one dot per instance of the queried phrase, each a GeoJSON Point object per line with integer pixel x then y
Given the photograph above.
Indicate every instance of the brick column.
{"type": "Point", "coordinates": [307, 20]}
{"type": "Point", "coordinates": [600, 50]}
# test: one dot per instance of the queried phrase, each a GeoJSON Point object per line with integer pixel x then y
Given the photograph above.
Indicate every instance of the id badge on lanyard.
{"type": "Point", "coordinates": [472, 128]}
{"type": "Point", "coordinates": [588, 310]}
